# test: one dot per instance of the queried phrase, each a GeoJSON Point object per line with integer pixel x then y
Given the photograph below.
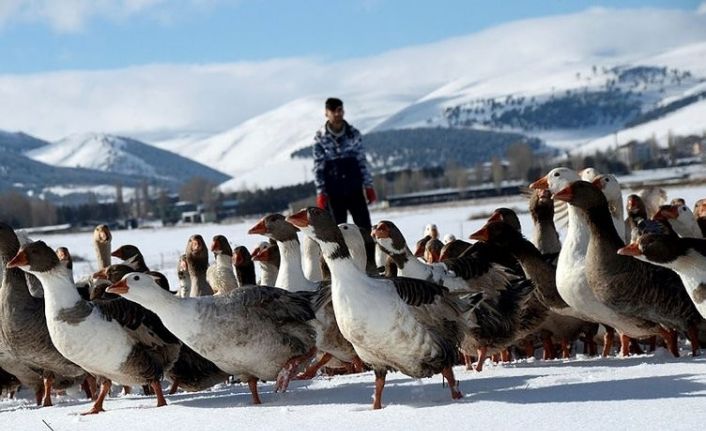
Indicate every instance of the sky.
{"type": "Point", "coordinates": [51, 35]}
{"type": "Point", "coordinates": [159, 70]}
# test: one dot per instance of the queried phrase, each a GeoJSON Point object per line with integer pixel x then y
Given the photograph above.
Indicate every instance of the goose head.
{"type": "Point", "coordinates": [658, 249]}
{"type": "Point", "coordinates": [499, 233]}
{"type": "Point", "coordinates": [64, 257]}
{"type": "Point", "coordinates": [635, 207]}
{"type": "Point", "coordinates": [421, 246]}
{"type": "Point", "coordinates": [432, 251]}
{"type": "Point", "coordinates": [588, 174]}
{"type": "Point", "coordinates": [36, 258]}
{"type": "Point", "coordinates": [137, 287]}
{"type": "Point", "coordinates": [266, 252]}
{"type": "Point", "coordinates": [541, 206]}
{"type": "Point", "coordinates": [555, 180]}
{"type": "Point", "coordinates": [275, 226]}
{"type": "Point", "coordinates": [319, 225]}
{"type": "Point", "coordinates": [388, 237]}
{"type": "Point", "coordinates": [241, 256]}
{"type": "Point", "coordinates": [453, 249]}
{"type": "Point", "coordinates": [220, 245]}
{"type": "Point", "coordinates": [9, 244]}
{"type": "Point", "coordinates": [610, 186]}
{"type": "Point", "coordinates": [700, 208]}
{"type": "Point", "coordinates": [506, 215]}
{"type": "Point", "coordinates": [431, 230]}
{"type": "Point", "coordinates": [355, 242]}
{"type": "Point", "coordinates": [582, 194]}
{"type": "Point", "coordinates": [102, 235]}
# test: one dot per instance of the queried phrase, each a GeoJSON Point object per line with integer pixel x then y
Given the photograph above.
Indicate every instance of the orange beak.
{"type": "Point", "coordinates": [299, 219]}
{"type": "Point", "coordinates": [597, 182]}
{"type": "Point", "coordinates": [117, 253]}
{"type": "Point", "coordinates": [259, 228]}
{"type": "Point", "coordinates": [540, 184]}
{"type": "Point", "coordinates": [631, 249]}
{"type": "Point", "coordinates": [19, 260]}
{"type": "Point", "coordinates": [119, 288]}
{"type": "Point", "coordinates": [565, 194]}
{"type": "Point", "coordinates": [238, 258]}
{"type": "Point", "coordinates": [215, 246]}
{"type": "Point", "coordinates": [101, 274]}
{"type": "Point", "coordinates": [481, 235]}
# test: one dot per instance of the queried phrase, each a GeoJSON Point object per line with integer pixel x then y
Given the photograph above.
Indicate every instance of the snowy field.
{"type": "Point", "coordinates": [645, 392]}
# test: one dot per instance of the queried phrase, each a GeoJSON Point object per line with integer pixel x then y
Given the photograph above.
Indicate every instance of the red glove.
{"type": "Point", "coordinates": [321, 201]}
{"type": "Point", "coordinates": [370, 194]}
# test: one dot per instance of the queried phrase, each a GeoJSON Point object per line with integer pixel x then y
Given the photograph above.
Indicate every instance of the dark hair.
{"type": "Point", "coordinates": [333, 103]}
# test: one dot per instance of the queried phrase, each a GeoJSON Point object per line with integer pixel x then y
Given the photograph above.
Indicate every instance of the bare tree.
{"type": "Point", "coordinates": [521, 157]}
{"type": "Point", "coordinates": [496, 170]}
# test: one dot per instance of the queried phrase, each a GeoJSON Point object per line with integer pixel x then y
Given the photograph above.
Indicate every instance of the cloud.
{"type": "Point", "coordinates": [71, 16]}
{"type": "Point", "coordinates": [701, 10]}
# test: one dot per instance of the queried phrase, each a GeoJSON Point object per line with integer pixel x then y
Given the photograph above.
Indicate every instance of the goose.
{"type": "Point", "coordinates": [653, 197]}
{"type": "Point", "coordinates": [650, 297]}
{"type": "Point", "coordinates": [291, 277]}
{"type": "Point", "coordinates": [244, 266]}
{"type": "Point", "coordinates": [197, 261]}
{"type": "Point", "coordinates": [571, 281]}
{"type": "Point", "coordinates": [409, 325]}
{"type": "Point", "coordinates": [190, 371]}
{"type": "Point", "coordinates": [421, 245]}
{"type": "Point", "coordinates": [681, 218]}
{"type": "Point", "coordinates": [432, 251]}
{"type": "Point", "coordinates": [448, 238]}
{"type": "Point", "coordinates": [132, 256]}
{"type": "Point", "coordinates": [183, 276]}
{"type": "Point", "coordinates": [254, 332]}
{"type": "Point", "coordinates": [498, 316]}
{"type": "Point", "coordinates": [23, 326]}
{"type": "Point", "coordinates": [220, 276]}
{"type": "Point", "coordinates": [453, 249]}
{"type": "Point", "coordinates": [267, 256]}
{"type": "Point", "coordinates": [685, 256]}
{"type": "Point", "coordinates": [102, 239]}
{"type": "Point", "coordinates": [700, 215]}
{"type": "Point", "coordinates": [128, 346]}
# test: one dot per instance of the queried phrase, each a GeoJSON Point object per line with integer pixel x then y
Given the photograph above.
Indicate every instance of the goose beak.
{"type": "Point", "coordinates": [540, 184]}
{"type": "Point", "coordinates": [119, 288]}
{"type": "Point", "coordinates": [101, 274]}
{"type": "Point", "coordinates": [496, 216]}
{"type": "Point", "coordinates": [117, 253]}
{"type": "Point", "coordinates": [566, 194]}
{"type": "Point", "coordinates": [632, 249]}
{"type": "Point", "coordinates": [215, 246]}
{"type": "Point", "coordinates": [19, 260]}
{"type": "Point", "coordinates": [419, 252]}
{"type": "Point", "coordinates": [598, 183]}
{"type": "Point", "coordinates": [259, 228]}
{"type": "Point", "coordinates": [481, 235]}
{"type": "Point", "coordinates": [299, 219]}
{"type": "Point", "coordinates": [238, 258]}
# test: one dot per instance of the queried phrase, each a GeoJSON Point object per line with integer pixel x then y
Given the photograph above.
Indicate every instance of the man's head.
{"type": "Point", "coordinates": [334, 111]}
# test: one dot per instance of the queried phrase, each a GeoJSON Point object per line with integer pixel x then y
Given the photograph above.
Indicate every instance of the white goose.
{"type": "Point", "coordinates": [400, 323]}
{"type": "Point", "coordinates": [128, 346]}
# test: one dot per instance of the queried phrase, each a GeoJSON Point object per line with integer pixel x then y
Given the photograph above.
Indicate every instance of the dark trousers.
{"type": "Point", "coordinates": [355, 203]}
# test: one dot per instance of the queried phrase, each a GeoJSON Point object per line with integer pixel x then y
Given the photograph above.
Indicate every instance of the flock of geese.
{"type": "Point", "coordinates": [332, 298]}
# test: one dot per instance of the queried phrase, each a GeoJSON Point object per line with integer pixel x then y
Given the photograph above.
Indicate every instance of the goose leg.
{"type": "Point", "coordinates": [670, 340]}
{"type": "Point", "coordinates": [693, 335]}
{"type": "Point", "coordinates": [89, 387]}
{"type": "Point", "coordinates": [379, 386]}
{"type": "Point", "coordinates": [624, 345]}
{"type": "Point", "coordinates": [38, 394]}
{"type": "Point", "coordinates": [529, 348]}
{"type": "Point", "coordinates": [468, 359]}
{"type": "Point", "coordinates": [252, 384]}
{"type": "Point", "coordinates": [548, 346]}
{"type": "Point", "coordinates": [448, 374]}
{"type": "Point", "coordinates": [505, 355]}
{"type": "Point", "coordinates": [358, 365]}
{"type": "Point", "coordinates": [48, 382]}
{"type": "Point", "coordinates": [653, 343]}
{"type": "Point", "coordinates": [608, 341]}
{"type": "Point", "coordinates": [481, 358]}
{"type": "Point", "coordinates": [98, 405]}
{"type": "Point", "coordinates": [291, 366]}
{"type": "Point", "coordinates": [312, 370]}
{"type": "Point", "coordinates": [173, 388]}
{"type": "Point", "coordinates": [157, 388]}
{"type": "Point", "coordinates": [565, 348]}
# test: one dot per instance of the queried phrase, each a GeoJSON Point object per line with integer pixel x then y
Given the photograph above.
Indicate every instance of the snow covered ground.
{"type": "Point", "coordinates": [645, 392]}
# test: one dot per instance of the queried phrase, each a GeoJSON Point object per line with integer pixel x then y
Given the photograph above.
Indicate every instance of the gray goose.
{"type": "Point", "coordinates": [652, 297]}
{"type": "Point", "coordinates": [378, 315]}
{"type": "Point", "coordinates": [183, 276]}
{"type": "Point", "coordinates": [128, 345]}
{"type": "Point", "coordinates": [131, 255]}
{"type": "Point", "coordinates": [24, 325]}
{"type": "Point", "coordinates": [191, 371]}
{"type": "Point", "coordinates": [197, 260]}
{"type": "Point", "coordinates": [244, 266]}
{"type": "Point", "coordinates": [266, 254]}
{"type": "Point", "coordinates": [220, 275]}
{"type": "Point", "coordinates": [254, 332]}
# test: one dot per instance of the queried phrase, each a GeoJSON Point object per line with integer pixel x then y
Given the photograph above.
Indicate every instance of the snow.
{"type": "Point", "coordinates": [643, 392]}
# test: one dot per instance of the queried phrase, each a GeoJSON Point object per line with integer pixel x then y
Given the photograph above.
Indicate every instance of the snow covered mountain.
{"type": "Point", "coordinates": [594, 56]}
{"type": "Point", "coordinates": [123, 156]}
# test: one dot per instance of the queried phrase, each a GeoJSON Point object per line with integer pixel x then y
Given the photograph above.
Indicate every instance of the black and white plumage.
{"type": "Point", "coordinates": [405, 324]}
{"type": "Point", "coordinates": [128, 345]}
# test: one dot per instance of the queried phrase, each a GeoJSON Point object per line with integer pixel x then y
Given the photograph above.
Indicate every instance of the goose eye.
{"type": "Point", "coordinates": [607, 180]}
{"type": "Point", "coordinates": [136, 278]}
{"type": "Point", "coordinates": [556, 174]}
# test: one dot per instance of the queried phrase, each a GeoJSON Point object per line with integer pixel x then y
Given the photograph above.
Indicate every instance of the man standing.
{"type": "Point", "coordinates": [340, 169]}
